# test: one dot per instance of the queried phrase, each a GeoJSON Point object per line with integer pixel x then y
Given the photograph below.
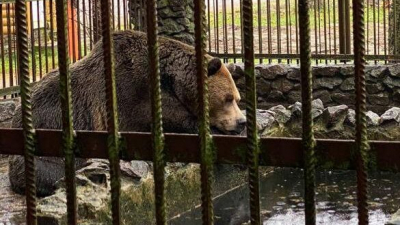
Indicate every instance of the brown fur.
{"type": "Point", "coordinates": [178, 84]}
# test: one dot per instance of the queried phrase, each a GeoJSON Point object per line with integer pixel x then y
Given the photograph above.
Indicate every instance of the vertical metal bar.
{"type": "Point", "coordinates": [278, 24]}
{"type": "Point", "coordinates": [125, 15]}
{"type": "Point", "coordinates": [287, 29]}
{"type": "Point", "coordinates": [112, 14]}
{"type": "Point", "coordinates": [119, 14]}
{"type": "Point", "coordinates": [73, 31]}
{"type": "Point", "coordinates": [66, 107]}
{"type": "Point", "coordinates": [209, 25]}
{"type": "Point", "coordinates": [307, 122]}
{"type": "Point", "coordinates": [297, 29]}
{"type": "Point", "coordinates": [374, 19]}
{"type": "Point", "coordinates": [157, 131]}
{"type": "Point", "coordinates": [334, 29]}
{"type": "Point", "coordinates": [225, 29]}
{"type": "Point", "coordinates": [347, 26]}
{"type": "Point", "coordinates": [84, 28]}
{"type": "Point", "coordinates": [206, 165]}
{"type": "Point", "coordinates": [91, 32]}
{"type": "Point", "coordinates": [360, 108]}
{"type": "Point", "coordinates": [39, 40]}
{"type": "Point", "coordinates": [329, 28]}
{"type": "Point", "coordinates": [315, 28]}
{"type": "Point", "coordinates": [33, 54]}
{"type": "Point", "coordinates": [112, 114]}
{"type": "Point", "coordinates": [379, 22]}
{"type": "Point", "coordinates": [251, 105]}
{"type": "Point", "coordinates": [217, 23]}
{"type": "Point", "coordinates": [45, 37]}
{"type": "Point", "coordinates": [23, 72]}
{"type": "Point", "coordinates": [10, 55]}
{"type": "Point", "coordinates": [384, 28]}
{"type": "Point", "coordinates": [241, 27]}
{"type": "Point", "coordinates": [233, 29]}
{"type": "Point", "coordinates": [325, 34]}
{"type": "Point", "coordinates": [3, 63]}
{"type": "Point", "coordinates": [53, 64]}
{"type": "Point", "coordinates": [269, 21]}
{"type": "Point", "coordinates": [78, 19]}
{"type": "Point", "coordinates": [259, 28]}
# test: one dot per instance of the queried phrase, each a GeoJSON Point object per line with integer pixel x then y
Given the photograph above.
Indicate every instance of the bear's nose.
{"type": "Point", "coordinates": [240, 124]}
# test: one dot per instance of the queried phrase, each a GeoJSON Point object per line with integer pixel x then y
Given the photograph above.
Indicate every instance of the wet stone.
{"type": "Point", "coordinates": [374, 88]}
{"type": "Point", "coordinates": [372, 119]}
{"type": "Point", "coordinates": [327, 82]}
{"type": "Point", "coordinates": [282, 85]}
{"type": "Point", "coordinates": [379, 99]}
{"type": "Point", "coordinates": [335, 115]}
{"type": "Point", "coordinates": [282, 115]}
{"type": "Point", "coordinates": [326, 71]}
{"type": "Point", "coordinates": [347, 85]}
{"type": "Point", "coordinates": [390, 116]}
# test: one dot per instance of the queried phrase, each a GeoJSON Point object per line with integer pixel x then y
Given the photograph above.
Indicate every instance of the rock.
{"type": "Point", "coordinates": [335, 115]}
{"type": "Point", "coordinates": [282, 85]}
{"type": "Point", "coordinates": [395, 219]}
{"type": "Point", "coordinates": [326, 71]}
{"type": "Point", "coordinates": [231, 67]}
{"type": "Point", "coordinates": [379, 99]}
{"type": "Point", "coordinates": [351, 118]}
{"type": "Point", "coordinates": [7, 110]}
{"type": "Point", "coordinates": [372, 119]}
{"type": "Point", "coordinates": [263, 87]}
{"type": "Point", "coordinates": [327, 82]}
{"type": "Point", "coordinates": [374, 88]}
{"type": "Point", "coordinates": [275, 96]}
{"type": "Point", "coordinates": [394, 70]}
{"type": "Point", "coordinates": [170, 26]}
{"type": "Point", "coordinates": [317, 108]}
{"type": "Point", "coordinates": [270, 72]}
{"type": "Point", "coordinates": [377, 71]}
{"type": "Point", "coordinates": [324, 95]}
{"type": "Point", "coordinates": [344, 98]}
{"type": "Point", "coordinates": [282, 115]}
{"type": "Point", "coordinates": [348, 84]}
{"type": "Point", "coordinates": [294, 96]}
{"type": "Point", "coordinates": [347, 70]}
{"type": "Point", "coordinates": [294, 74]}
{"type": "Point", "coordinates": [135, 169]}
{"type": "Point", "coordinates": [265, 120]}
{"type": "Point", "coordinates": [391, 116]}
{"type": "Point", "coordinates": [295, 109]}
{"type": "Point", "coordinates": [396, 95]}
{"type": "Point", "coordinates": [391, 82]}
{"type": "Point", "coordinates": [239, 71]}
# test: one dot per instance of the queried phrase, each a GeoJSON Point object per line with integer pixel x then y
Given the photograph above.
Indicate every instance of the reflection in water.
{"type": "Point", "coordinates": [282, 199]}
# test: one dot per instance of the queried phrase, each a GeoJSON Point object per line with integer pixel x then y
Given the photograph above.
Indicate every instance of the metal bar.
{"type": "Point", "coordinates": [119, 14]}
{"type": "Point", "coordinates": [112, 114]}
{"type": "Point", "coordinates": [66, 107]}
{"type": "Point", "coordinates": [297, 28]}
{"type": "Point", "coordinates": [313, 56]}
{"type": "Point", "coordinates": [45, 37]}
{"type": "Point", "coordinates": [287, 30]}
{"type": "Point", "coordinates": [251, 119]}
{"type": "Point", "coordinates": [33, 54]}
{"type": "Point", "coordinates": [3, 63]}
{"type": "Point", "coordinates": [217, 24]}
{"type": "Point", "coordinates": [269, 28]}
{"type": "Point", "coordinates": [205, 139]}
{"type": "Point", "coordinates": [233, 29]}
{"type": "Point", "coordinates": [260, 50]}
{"type": "Point", "coordinates": [39, 41]}
{"type": "Point", "coordinates": [84, 28]}
{"type": "Point", "coordinates": [73, 32]}
{"type": "Point", "coordinates": [334, 29]}
{"type": "Point", "coordinates": [90, 25]}
{"type": "Point", "coordinates": [28, 131]}
{"type": "Point", "coordinates": [325, 33]}
{"type": "Point", "coordinates": [225, 28]}
{"type": "Point", "coordinates": [157, 131]}
{"type": "Point", "coordinates": [384, 28]}
{"type": "Point", "coordinates": [52, 35]}
{"type": "Point", "coordinates": [278, 24]}
{"type": "Point", "coordinates": [361, 138]}
{"type": "Point", "coordinates": [315, 29]}
{"type": "Point", "coordinates": [308, 140]}
{"type": "Point", "coordinates": [78, 20]}
{"type": "Point", "coordinates": [209, 25]}
{"type": "Point", "coordinates": [287, 152]}
{"type": "Point", "coordinates": [10, 56]}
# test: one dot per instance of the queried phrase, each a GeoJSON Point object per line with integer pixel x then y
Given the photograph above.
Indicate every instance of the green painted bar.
{"type": "Point", "coordinates": [66, 109]}
{"type": "Point", "coordinates": [112, 114]}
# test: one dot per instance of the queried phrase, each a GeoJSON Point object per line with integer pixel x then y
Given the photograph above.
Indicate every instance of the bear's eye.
{"type": "Point", "coordinates": [229, 98]}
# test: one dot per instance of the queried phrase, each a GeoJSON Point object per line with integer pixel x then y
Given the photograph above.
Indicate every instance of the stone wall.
{"type": "Point", "coordinates": [333, 84]}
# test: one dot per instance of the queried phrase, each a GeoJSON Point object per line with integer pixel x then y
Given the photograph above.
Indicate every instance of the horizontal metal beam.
{"type": "Point", "coordinates": [281, 152]}
{"type": "Point", "coordinates": [313, 56]}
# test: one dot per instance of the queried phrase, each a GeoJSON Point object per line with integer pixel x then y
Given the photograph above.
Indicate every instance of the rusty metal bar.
{"type": "Point", "coordinates": [3, 63]}
{"type": "Point", "coordinates": [10, 55]}
{"type": "Point", "coordinates": [361, 138]}
{"type": "Point", "coordinates": [157, 131]}
{"type": "Point", "coordinates": [313, 56]}
{"type": "Point", "coordinates": [205, 139]}
{"type": "Point", "coordinates": [39, 40]}
{"type": "Point", "coordinates": [308, 140]}
{"type": "Point", "coordinates": [251, 119]}
{"type": "Point", "coordinates": [45, 37]}
{"type": "Point", "coordinates": [112, 114]}
{"type": "Point", "coordinates": [66, 108]}
{"type": "Point", "coordinates": [287, 152]}
{"type": "Point", "coordinates": [53, 64]}
{"type": "Point", "coordinates": [33, 57]}
{"type": "Point", "coordinates": [28, 131]}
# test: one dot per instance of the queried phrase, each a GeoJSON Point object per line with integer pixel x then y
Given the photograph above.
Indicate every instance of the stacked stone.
{"type": "Point", "coordinates": [333, 84]}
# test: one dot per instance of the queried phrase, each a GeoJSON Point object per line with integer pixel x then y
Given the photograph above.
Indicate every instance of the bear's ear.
{"type": "Point", "coordinates": [213, 66]}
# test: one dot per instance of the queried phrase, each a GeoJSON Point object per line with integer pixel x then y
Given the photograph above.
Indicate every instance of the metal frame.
{"type": "Point", "coordinates": [306, 153]}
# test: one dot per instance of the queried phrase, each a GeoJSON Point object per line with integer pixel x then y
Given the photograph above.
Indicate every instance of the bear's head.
{"type": "Point", "coordinates": [225, 114]}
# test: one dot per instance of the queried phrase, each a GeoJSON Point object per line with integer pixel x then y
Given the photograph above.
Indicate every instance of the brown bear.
{"type": "Point", "coordinates": [179, 90]}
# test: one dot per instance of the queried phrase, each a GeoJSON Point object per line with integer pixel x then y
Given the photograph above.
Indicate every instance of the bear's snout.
{"type": "Point", "coordinates": [240, 125]}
